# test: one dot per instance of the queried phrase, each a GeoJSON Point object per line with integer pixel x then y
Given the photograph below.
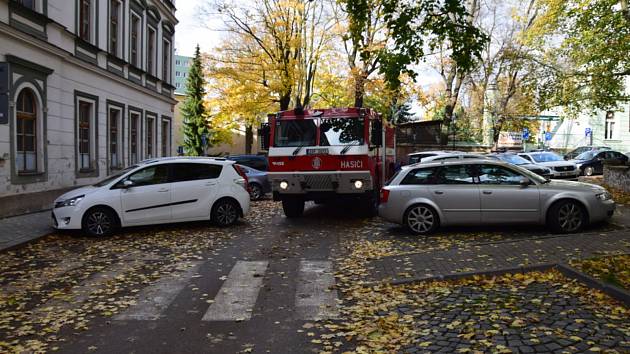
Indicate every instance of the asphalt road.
{"type": "Point", "coordinates": [272, 313]}
{"type": "Point", "coordinates": [256, 287]}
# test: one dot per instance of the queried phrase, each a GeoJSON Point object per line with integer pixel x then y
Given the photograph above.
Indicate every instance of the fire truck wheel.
{"type": "Point", "coordinates": [371, 205]}
{"type": "Point", "coordinates": [293, 207]}
{"type": "Point", "coordinates": [421, 219]}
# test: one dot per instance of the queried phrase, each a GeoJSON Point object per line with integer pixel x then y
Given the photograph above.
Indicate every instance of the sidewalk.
{"type": "Point", "coordinates": [499, 255]}
{"type": "Point", "coordinates": [16, 230]}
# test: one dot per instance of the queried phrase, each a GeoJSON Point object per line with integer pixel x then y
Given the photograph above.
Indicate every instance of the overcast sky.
{"type": "Point", "coordinates": [189, 31]}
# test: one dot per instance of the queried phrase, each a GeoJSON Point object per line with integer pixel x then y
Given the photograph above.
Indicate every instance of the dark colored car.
{"type": "Point", "coordinates": [592, 162]}
{"type": "Point", "coordinates": [575, 152]}
{"type": "Point", "coordinates": [519, 161]}
{"type": "Point", "coordinates": [258, 162]}
{"type": "Point", "coordinates": [258, 182]}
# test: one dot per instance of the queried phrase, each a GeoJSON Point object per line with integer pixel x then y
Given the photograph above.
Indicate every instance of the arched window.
{"type": "Point", "coordinates": [26, 110]}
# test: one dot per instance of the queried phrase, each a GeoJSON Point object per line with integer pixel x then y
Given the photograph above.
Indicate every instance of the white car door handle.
{"type": "Point", "coordinates": [487, 192]}
{"type": "Point", "coordinates": [163, 190]}
{"type": "Point", "coordinates": [211, 183]}
{"type": "Point", "coordinates": [438, 192]}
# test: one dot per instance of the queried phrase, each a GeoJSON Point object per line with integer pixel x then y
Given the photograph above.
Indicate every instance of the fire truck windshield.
{"type": "Point", "coordinates": [290, 133]}
{"type": "Point", "coordinates": [341, 131]}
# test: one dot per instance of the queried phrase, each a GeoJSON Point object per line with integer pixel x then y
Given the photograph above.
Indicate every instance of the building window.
{"type": "Point", "coordinates": [166, 60]}
{"type": "Point", "coordinates": [610, 125]}
{"type": "Point", "coordinates": [85, 133]}
{"type": "Point", "coordinates": [150, 135]}
{"type": "Point", "coordinates": [178, 85]}
{"type": "Point", "coordinates": [115, 138]}
{"type": "Point", "coordinates": [26, 132]}
{"type": "Point", "coordinates": [177, 74]}
{"type": "Point", "coordinates": [166, 138]}
{"type": "Point", "coordinates": [115, 44]}
{"type": "Point", "coordinates": [135, 40]}
{"type": "Point", "coordinates": [30, 4]}
{"type": "Point", "coordinates": [177, 62]}
{"type": "Point", "coordinates": [85, 20]}
{"type": "Point", "coordinates": [151, 51]}
{"type": "Point", "coordinates": [134, 138]}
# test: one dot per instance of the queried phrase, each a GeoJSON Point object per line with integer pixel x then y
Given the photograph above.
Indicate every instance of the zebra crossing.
{"type": "Point", "coordinates": [315, 297]}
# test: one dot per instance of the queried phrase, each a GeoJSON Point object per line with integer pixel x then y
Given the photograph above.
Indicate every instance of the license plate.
{"type": "Point", "coordinates": [317, 151]}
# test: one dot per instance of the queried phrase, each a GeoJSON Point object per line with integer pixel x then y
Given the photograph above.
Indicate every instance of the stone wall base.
{"type": "Point", "coordinates": [617, 177]}
{"type": "Point", "coordinates": [29, 202]}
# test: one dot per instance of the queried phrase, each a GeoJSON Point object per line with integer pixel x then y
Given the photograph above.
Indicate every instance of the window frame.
{"type": "Point", "coordinates": [150, 135]}
{"type": "Point", "coordinates": [120, 108]}
{"type": "Point", "coordinates": [88, 35]}
{"type": "Point", "coordinates": [138, 132]}
{"type": "Point", "coordinates": [135, 59]}
{"type": "Point", "coordinates": [92, 168]}
{"type": "Point", "coordinates": [152, 50]}
{"type": "Point", "coordinates": [166, 59]}
{"type": "Point", "coordinates": [165, 142]}
{"type": "Point", "coordinates": [118, 50]}
{"type": "Point", "coordinates": [31, 116]}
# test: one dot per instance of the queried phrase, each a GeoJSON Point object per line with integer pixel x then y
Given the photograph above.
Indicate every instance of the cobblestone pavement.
{"type": "Point", "coordinates": [545, 314]}
{"type": "Point", "coordinates": [16, 230]}
{"type": "Point", "coordinates": [499, 255]}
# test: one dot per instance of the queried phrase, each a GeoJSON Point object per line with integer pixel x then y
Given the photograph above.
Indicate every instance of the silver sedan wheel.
{"type": "Point", "coordinates": [99, 223]}
{"type": "Point", "coordinates": [588, 171]}
{"type": "Point", "coordinates": [570, 217]}
{"type": "Point", "coordinates": [420, 219]}
{"type": "Point", "coordinates": [226, 213]}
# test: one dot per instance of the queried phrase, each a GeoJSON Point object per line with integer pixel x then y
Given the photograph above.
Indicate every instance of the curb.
{"type": "Point", "coordinates": [569, 272]}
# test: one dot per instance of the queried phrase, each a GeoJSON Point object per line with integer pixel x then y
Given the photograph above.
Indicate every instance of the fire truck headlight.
{"type": "Point", "coordinates": [358, 184]}
{"type": "Point", "coordinates": [284, 185]}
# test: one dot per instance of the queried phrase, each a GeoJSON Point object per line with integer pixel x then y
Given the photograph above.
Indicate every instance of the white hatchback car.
{"type": "Point", "coordinates": [157, 191]}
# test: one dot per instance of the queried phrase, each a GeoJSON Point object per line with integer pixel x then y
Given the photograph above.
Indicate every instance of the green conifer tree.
{"type": "Point", "coordinates": [194, 111]}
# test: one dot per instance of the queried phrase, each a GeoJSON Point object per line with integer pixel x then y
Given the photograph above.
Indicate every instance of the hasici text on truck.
{"type": "Point", "coordinates": [327, 154]}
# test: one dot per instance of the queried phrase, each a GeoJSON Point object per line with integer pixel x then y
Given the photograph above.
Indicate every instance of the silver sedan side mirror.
{"type": "Point", "coordinates": [128, 184]}
{"type": "Point", "coordinates": [524, 181]}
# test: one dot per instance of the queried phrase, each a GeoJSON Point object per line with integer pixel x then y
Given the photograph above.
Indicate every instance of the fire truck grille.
{"type": "Point", "coordinates": [318, 182]}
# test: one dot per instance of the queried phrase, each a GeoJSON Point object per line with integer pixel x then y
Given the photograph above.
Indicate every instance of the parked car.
{"type": "Point", "coordinates": [419, 156]}
{"type": "Point", "coordinates": [520, 161]}
{"type": "Point", "coordinates": [258, 162]}
{"type": "Point", "coordinates": [559, 167]}
{"type": "Point", "coordinates": [577, 151]}
{"type": "Point", "coordinates": [465, 192]}
{"type": "Point", "coordinates": [258, 182]}
{"type": "Point", "coordinates": [453, 156]}
{"type": "Point", "coordinates": [157, 191]}
{"type": "Point", "coordinates": [592, 162]}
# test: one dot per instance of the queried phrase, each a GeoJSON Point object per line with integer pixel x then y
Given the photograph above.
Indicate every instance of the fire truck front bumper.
{"type": "Point", "coordinates": [339, 182]}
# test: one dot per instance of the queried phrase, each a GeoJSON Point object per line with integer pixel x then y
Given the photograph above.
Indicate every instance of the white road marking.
{"type": "Point", "coordinates": [155, 299]}
{"type": "Point", "coordinates": [315, 297]}
{"type": "Point", "coordinates": [237, 297]}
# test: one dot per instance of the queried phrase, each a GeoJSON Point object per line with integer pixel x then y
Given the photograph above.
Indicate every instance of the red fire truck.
{"type": "Point", "coordinates": [327, 154]}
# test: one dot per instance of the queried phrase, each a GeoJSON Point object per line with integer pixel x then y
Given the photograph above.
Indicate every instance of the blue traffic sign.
{"type": "Point", "coordinates": [588, 131]}
{"type": "Point", "coordinates": [525, 133]}
{"type": "Point", "coordinates": [548, 136]}
{"type": "Point", "coordinates": [204, 139]}
{"type": "Point", "coordinates": [180, 150]}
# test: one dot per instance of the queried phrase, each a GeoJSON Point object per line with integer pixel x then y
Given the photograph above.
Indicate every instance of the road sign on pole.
{"type": "Point", "coordinates": [588, 132]}
{"type": "Point", "coordinates": [547, 136]}
{"type": "Point", "coordinates": [204, 139]}
{"type": "Point", "coordinates": [525, 133]}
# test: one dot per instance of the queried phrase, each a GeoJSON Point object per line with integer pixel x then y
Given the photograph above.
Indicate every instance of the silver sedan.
{"type": "Point", "coordinates": [464, 192]}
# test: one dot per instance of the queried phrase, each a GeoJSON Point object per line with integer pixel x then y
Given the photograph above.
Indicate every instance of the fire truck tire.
{"type": "Point", "coordinates": [293, 207]}
{"type": "Point", "coordinates": [371, 205]}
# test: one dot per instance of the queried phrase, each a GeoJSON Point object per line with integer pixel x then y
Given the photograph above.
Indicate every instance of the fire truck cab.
{"type": "Point", "coordinates": [327, 154]}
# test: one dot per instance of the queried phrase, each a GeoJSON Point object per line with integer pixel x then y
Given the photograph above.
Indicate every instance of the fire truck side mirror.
{"type": "Point", "coordinates": [263, 136]}
{"type": "Point", "coordinates": [376, 135]}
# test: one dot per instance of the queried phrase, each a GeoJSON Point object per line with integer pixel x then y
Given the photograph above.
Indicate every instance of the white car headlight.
{"type": "Point", "coordinates": [71, 202]}
{"type": "Point", "coordinates": [604, 196]}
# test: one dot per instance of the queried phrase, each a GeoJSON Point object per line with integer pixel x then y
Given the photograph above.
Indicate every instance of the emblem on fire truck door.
{"type": "Point", "coordinates": [316, 163]}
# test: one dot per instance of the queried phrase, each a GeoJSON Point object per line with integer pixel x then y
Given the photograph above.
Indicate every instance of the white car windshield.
{"type": "Point", "coordinates": [546, 157]}
{"type": "Point", "coordinates": [109, 179]}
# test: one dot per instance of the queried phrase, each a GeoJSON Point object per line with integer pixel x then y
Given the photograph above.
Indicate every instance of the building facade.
{"type": "Point", "coordinates": [87, 90]}
{"type": "Point", "coordinates": [181, 69]}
